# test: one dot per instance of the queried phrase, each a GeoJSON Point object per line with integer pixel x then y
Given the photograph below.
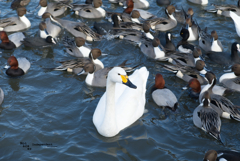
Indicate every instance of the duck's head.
{"type": "Point", "coordinates": [168, 36]}
{"type": "Point", "coordinates": [129, 4]}
{"type": "Point", "coordinates": [170, 10]}
{"type": "Point", "coordinates": [89, 68]}
{"type": "Point", "coordinates": [135, 14]}
{"type": "Point", "coordinates": [190, 12]}
{"type": "Point", "coordinates": [21, 11]}
{"type": "Point", "coordinates": [4, 37]}
{"type": "Point", "coordinates": [146, 27]}
{"type": "Point", "coordinates": [79, 41]}
{"type": "Point", "coordinates": [206, 99]}
{"type": "Point", "coordinates": [210, 155]}
{"type": "Point", "coordinates": [43, 3]}
{"type": "Point", "coordinates": [50, 39]}
{"type": "Point", "coordinates": [47, 15]}
{"type": "Point", "coordinates": [156, 42]}
{"type": "Point", "coordinates": [214, 35]}
{"type": "Point", "coordinates": [118, 75]}
{"type": "Point", "coordinates": [211, 77]}
{"type": "Point", "coordinates": [184, 33]}
{"type": "Point", "coordinates": [42, 26]}
{"type": "Point", "coordinates": [13, 63]}
{"type": "Point", "coordinates": [236, 69]}
{"type": "Point", "coordinates": [159, 81]}
{"type": "Point", "coordinates": [200, 65]}
{"type": "Point", "coordinates": [197, 52]}
{"type": "Point", "coordinates": [194, 85]}
{"type": "Point", "coordinates": [97, 3]}
{"type": "Point", "coordinates": [235, 47]}
{"type": "Point", "coordinates": [95, 53]}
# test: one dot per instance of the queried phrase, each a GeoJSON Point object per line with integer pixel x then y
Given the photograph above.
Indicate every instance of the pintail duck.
{"type": "Point", "coordinates": [14, 24]}
{"type": "Point", "coordinates": [221, 155]}
{"type": "Point", "coordinates": [18, 66]}
{"type": "Point", "coordinates": [162, 96]}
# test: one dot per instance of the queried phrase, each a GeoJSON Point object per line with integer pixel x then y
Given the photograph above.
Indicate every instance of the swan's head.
{"type": "Point", "coordinates": [118, 75]}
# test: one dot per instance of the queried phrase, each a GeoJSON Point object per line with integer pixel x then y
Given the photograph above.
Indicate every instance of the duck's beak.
{"type": "Point", "coordinates": [127, 82]}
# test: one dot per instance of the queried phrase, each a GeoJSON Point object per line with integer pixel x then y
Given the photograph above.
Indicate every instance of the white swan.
{"type": "Point", "coordinates": [236, 20]}
{"type": "Point", "coordinates": [120, 106]}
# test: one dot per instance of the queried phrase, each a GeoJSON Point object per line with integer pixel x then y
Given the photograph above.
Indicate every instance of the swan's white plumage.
{"type": "Point", "coordinates": [129, 105]}
{"type": "Point", "coordinates": [236, 20]}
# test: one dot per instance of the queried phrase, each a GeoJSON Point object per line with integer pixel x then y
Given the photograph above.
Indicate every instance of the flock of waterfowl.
{"type": "Point", "coordinates": [124, 100]}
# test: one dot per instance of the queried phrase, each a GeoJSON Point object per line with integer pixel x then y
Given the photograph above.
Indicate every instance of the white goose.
{"type": "Point", "coordinates": [236, 20]}
{"type": "Point", "coordinates": [121, 106]}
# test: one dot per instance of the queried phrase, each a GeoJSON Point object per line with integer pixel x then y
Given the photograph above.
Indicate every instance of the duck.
{"type": "Point", "coordinates": [210, 42]}
{"type": "Point", "coordinates": [163, 2]}
{"type": "Point", "coordinates": [54, 8]}
{"type": "Point", "coordinates": [169, 45]}
{"type": "Point", "coordinates": [226, 155]}
{"type": "Point", "coordinates": [77, 29]}
{"type": "Point", "coordinates": [38, 42]}
{"type": "Point", "coordinates": [231, 80]}
{"type": "Point", "coordinates": [222, 105]}
{"type": "Point", "coordinates": [187, 73]}
{"type": "Point", "coordinates": [162, 96]}
{"type": "Point", "coordinates": [120, 106]}
{"type": "Point", "coordinates": [14, 24]}
{"type": "Point", "coordinates": [206, 118]}
{"type": "Point", "coordinates": [126, 17]}
{"type": "Point", "coordinates": [76, 47]}
{"type": "Point", "coordinates": [195, 89]}
{"type": "Point", "coordinates": [89, 11]}
{"type": "Point", "coordinates": [183, 46]}
{"type": "Point", "coordinates": [12, 41]}
{"type": "Point", "coordinates": [17, 66]}
{"type": "Point", "coordinates": [224, 57]}
{"type": "Point", "coordinates": [51, 28]}
{"type": "Point", "coordinates": [201, 2]}
{"type": "Point", "coordinates": [104, 28]}
{"type": "Point", "coordinates": [181, 15]}
{"type": "Point", "coordinates": [164, 24]}
{"type": "Point", "coordinates": [236, 20]}
{"type": "Point", "coordinates": [76, 65]}
{"type": "Point", "coordinates": [193, 30]}
{"type": "Point", "coordinates": [224, 10]}
{"type": "Point", "coordinates": [19, 3]}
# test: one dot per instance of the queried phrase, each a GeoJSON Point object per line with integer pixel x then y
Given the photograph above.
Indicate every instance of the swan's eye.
{"type": "Point", "coordinates": [118, 74]}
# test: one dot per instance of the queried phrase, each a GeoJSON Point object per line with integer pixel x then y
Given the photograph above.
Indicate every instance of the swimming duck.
{"type": "Point", "coordinates": [221, 155]}
{"type": "Point", "coordinates": [236, 20]}
{"type": "Point", "coordinates": [104, 28]}
{"type": "Point", "coordinates": [163, 2]}
{"type": "Point", "coordinates": [187, 73]}
{"type": "Point", "coordinates": [210, 42]}
{"type": "Point", "coordinates": [231, 80]}
{"type": "Point", "coordinates": [225, 57]}
{"type": "Point", "coordinates": [90, 11]}
{"type": "Point", "coordinates": [120, 106]}
{"type": "Point", "coordinates": [76, 47]}
{"type": "Point", "coordinates": [183, 46]}
{"type": "Point", "coordinates": [14, 24]}
{"type": "Point", "coordinates": [54, 8]}
{"type": "Point", "coordinates": [76, 65]}
{"type": "Point", "coordinates": [18, 66]}
{"type": "Point", "coordinates": [19, 3]}
{"type": "Point", "coordinates": [193, 30]}
{"type": "Point", "coordinates": [77, 29]}
{"type": "Point", "coordinates": [51, 28]}
{"type": "Point", "coordinates": [163, 96]}
{"type": "Point", "coordinates": [202, 2]}
{"type": "Point", "coordinates": [12, 41]}
{"type": "Point", "coordinates": [181, 15]}
{"type": "Point", "coordinates": [224, 10]}
{"type": "Point", "coordinates": [222, 105]}
{"type": "Point", "coordinates": [37, 42]}
{"type": "Point", "coordinates": [206, 118]}
{"type": "Point", "coordinates": [164, 24]}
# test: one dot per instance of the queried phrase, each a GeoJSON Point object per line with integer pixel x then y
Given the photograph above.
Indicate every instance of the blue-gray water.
{"type": "Point", "coordinates": [56, 107]}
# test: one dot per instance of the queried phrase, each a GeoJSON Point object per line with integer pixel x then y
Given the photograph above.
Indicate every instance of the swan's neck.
{"type": "Point", "coordinates": [227, 76]}
{"type": "Point", "coordinates": [42, 11]}
{"type": "Point", "coordinates": [25, 20]}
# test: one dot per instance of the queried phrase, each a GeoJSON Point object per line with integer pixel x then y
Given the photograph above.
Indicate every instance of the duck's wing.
{"type": "Point", "coordinates": [144, 14]}
{"type": "Point", "coordinates": [73, 63]}
{"type": "Point", "coordinates": [71, 47]}
{"type": "Point", "coordinates": [8, 22]}
{"type": "Point", "coordinates": [156, 21]}
{"type": "Point", "coordinates": [82, 27]}
{"type": "Point", "coordinates": [36, 42]}
{"type": "Point", "coordinates": [211, 122]}
{"type": "Point", "coordinates": [131, 25]}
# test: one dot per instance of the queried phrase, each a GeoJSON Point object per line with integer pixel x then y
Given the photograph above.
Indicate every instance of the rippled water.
{"type": "Point", "coordinates": [54, 107]}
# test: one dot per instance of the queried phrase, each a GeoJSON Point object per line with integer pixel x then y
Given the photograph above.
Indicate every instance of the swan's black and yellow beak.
{"type": "Point", "coordinates": [127, 82]}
